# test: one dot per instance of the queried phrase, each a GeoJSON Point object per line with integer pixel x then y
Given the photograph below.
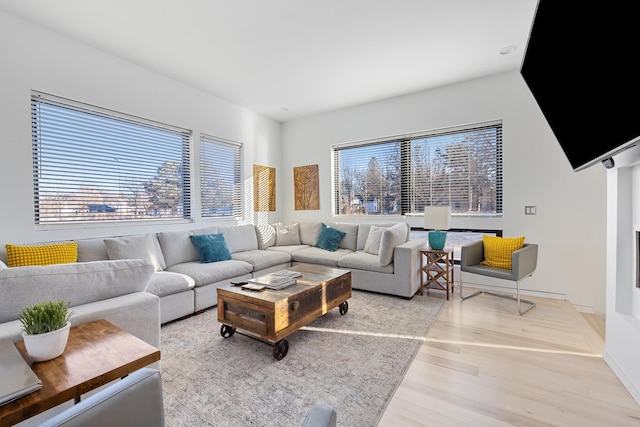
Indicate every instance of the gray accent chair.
{"type": "Point", "coordinates": [524, 262]}
{"type": "Point", "coordinates": [134, 401]}
{"type": "Point", "coordinates": [320, 415]}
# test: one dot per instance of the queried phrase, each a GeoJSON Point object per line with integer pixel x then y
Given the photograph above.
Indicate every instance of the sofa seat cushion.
{"type": "Point", "coordinates": [262, 259]}
{"type": "Point", "coordinates": [205, 274]}
{"type": "Point", "coordinates": [319, 256]}
{"type": "Point", "coordinates": [78, 283]}
{"type": "Point", "coordinates": [290, 249]}
{"type": "Point", "coordinates": [361, 260]}
{"type": "Point", "coordinates": [165, 283]}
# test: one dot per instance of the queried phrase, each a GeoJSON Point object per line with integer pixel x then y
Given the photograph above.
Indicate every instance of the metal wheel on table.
{"type": "Point", "coordinates": [280, 349]}
{"type": "Point", "coordinates": [344, 307]}
{"type": "Point", "coordinates": [227, 331]}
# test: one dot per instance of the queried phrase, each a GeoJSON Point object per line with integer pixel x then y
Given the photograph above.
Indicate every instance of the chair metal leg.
{"type": "Point", "coordinates": [506, 296]}
{"type": "Point", "coordinates": [462, 295]}
{"type": "Point", "coordinates": [516, 298]}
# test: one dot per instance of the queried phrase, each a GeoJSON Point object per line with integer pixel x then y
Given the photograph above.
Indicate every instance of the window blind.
{"type": "Point", "coordinates": [220, 177]}
{"type": "Point", "coordinates": [460, 167]}
{"type": "Point", "coordinates": [95, 165]}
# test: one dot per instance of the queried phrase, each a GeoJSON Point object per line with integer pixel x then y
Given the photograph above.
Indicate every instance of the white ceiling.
{"type": "Point", "coordinates": [286, 59]}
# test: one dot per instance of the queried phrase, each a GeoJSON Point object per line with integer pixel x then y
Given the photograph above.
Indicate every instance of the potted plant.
{"type": "Point", "coordinates": [45, 328]}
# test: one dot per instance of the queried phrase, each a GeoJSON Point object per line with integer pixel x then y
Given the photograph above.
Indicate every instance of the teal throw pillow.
{"type": "Point", "coordinates": [211, 247]}
{"type": "Point", "coordinates": [329, 238]}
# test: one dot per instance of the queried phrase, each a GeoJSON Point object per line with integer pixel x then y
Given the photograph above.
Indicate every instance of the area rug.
{"type": "Point", "coordinates": [353, 362]}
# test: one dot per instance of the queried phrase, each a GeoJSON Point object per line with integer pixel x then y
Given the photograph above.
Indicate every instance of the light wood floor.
{"type": "Point", "coordinates": [484, 365]}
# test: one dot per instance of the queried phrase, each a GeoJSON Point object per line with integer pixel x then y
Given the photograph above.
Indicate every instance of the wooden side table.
{"type": "Point", "coordinates": [436, 270]}
{"type": "Point", "coordinates": [97, 353]}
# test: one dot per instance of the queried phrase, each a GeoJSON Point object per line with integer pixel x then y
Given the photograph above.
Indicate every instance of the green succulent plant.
{"type": "Point", "coordinates": [43, 317]}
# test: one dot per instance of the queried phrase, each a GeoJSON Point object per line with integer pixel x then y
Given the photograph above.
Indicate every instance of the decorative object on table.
{"type": "Point", "coordinates": [45, 328]}
{"type": "Point", "coordinates": [436, 219]}
{"type": "Point", "coordinates": [264, 188]}
{"type": "Point", "coordinates": [306, 188]}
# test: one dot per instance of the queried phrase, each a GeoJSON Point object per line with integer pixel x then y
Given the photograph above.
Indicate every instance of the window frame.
{"type": "Point", "coordinates": [405, 153]}
{"type": "Point", "coordinates": [81, 126]}
{"type": "Point", "coordinates": [237, 173]}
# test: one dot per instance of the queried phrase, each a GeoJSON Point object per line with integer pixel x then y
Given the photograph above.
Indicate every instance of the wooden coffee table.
{"type": "Point", "coordinates": [272, 315]}
{"type": "Point", "coordinates": [96, 353]}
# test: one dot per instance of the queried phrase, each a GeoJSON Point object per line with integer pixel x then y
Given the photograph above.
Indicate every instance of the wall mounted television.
{"type": "Point", "coordinates": [579, 67]}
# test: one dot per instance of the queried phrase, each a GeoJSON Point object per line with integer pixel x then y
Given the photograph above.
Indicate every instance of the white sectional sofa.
{"type": "Point", "coordinates": [387, 263]}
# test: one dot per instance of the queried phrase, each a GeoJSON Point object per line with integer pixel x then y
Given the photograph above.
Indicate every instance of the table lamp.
{"type": "Point", "coordinates": [436, 219]}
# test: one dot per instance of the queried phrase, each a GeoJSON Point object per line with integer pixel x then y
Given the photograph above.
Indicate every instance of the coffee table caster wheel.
{"type": "Point", "coordinates": [227, 331]}
{"type": "Point", "coordinates": [344, 307]}
{"type": "Point", "coordinates": [280, 349]}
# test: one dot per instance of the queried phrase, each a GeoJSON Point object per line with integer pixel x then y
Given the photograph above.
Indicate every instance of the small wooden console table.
{"type": "Point", "coordinates": [96, 353]}
{"type": "Point", "coordinates": [436, 270]}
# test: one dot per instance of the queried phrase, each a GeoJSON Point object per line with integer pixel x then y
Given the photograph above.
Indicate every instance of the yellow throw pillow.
{"type": "Point", "coordinates": [56, 253]}
{"type": "Point", "coordinates": [498, 250]}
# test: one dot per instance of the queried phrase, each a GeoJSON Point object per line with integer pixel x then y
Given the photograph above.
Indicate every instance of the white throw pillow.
{"type": "Point", "coordinates": [3, 265]}
{"type": "Point", "coordinates": [391, 237]}
{"type": "Point", "coordinates": [372, 244]}
{"type": "Point", "coordinates": [133, 247]}
{"type": "Point", "coordinates": [287, 234]}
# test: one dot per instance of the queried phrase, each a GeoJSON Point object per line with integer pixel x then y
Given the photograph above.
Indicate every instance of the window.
{"type": "Point", "coordinates": [461, 168]}
{"type": "Point", "coordinates": [95, 165]}
{"type": "Point", "coordinates": [220, 177]}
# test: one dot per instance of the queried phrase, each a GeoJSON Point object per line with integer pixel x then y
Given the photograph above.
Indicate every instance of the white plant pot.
{"type": "Point", "coordinates": [43, 347]}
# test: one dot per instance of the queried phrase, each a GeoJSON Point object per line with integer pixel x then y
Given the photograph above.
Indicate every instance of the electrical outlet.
{"type": "Point", "coordinates": [529, 210]}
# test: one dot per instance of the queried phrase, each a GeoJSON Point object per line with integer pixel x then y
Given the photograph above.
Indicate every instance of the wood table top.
{"type": "Point", "coordinates": [97, 353]}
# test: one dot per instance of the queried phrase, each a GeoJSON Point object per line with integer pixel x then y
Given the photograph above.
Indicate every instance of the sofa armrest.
{"type": "Point", "coordinates": [406, 264]}
{"type": "Point", "coordinates": [320, 416]}
{"type": "Point", "coordinates": [135, 400]}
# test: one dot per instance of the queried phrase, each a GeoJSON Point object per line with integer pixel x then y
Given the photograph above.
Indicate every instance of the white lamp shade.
{"type": "Point", "coordinates": [437, 217]}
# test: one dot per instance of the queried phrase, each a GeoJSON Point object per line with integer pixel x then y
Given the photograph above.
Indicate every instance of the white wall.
{"type": "Point", "coordinates": [570, 221]}
{"type": "Point", "coordinates": [622, 346]}
{"type": "Point", "coordinates": [34, 58]}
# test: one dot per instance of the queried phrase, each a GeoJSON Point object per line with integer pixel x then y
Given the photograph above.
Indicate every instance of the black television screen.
{"type": "Point", "coordinates": [580, 67]}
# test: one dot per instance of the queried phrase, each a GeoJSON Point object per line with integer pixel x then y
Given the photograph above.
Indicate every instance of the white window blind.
{"type": "Point", "coordinates": [95, 165]}
{"type": "Point", "coordinates": [461, 168]}
{"type": "Point", "coordinates": [220, 177]}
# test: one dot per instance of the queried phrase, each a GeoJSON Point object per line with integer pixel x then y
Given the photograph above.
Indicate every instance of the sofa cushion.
{"type": "Point", "coordinates": [164, 283]}
{"type": "Point", "coordinates": [329, 238]}
{"type": "Point", "coordinates": [372, 245]}
{"type": "Point", "coordinates": [309, 232]}
{"type": "Point", "coordinates": [92, 250]}
{"type": "Point", "coordinates": [78, 283]}
{"type": "Point", "coordinates": [349, 241]}
{"type": "Point", "coordinates": [205, 274]}
{"type": "Point", "coordinates": [391, 237]}
{"type": "Point", "coordinates": [140, 246]}
{"type": "Point", "coordinates": [240, 238]}
{"type": "Point", "coordinates": [266, 235]}
{"type": "Point", "coordinates": [364, 261]}
{"type": "Point", "coordinates": [55, 253]}
{"type": "Point", "coordinates": [211, 247]}
{"type": "Point", "coordinates": [319, 256]}
{"type": "Point", "coordinates": [498, 250]}
{"type": "Point", "coordinates": [261, 259]}
{"type": "Point", "coordinates": [177, 247]}
{"type": "Point", "coordinates": [287, 235]}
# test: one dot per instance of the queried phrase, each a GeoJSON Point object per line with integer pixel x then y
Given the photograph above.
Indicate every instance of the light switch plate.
{"type": "Point", "coordinates": [529, 210]}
